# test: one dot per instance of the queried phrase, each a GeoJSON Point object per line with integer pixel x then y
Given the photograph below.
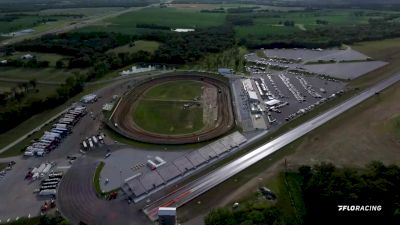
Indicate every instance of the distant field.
{"type": "Point", "coordinates": [81, 11]}
{"type": "Point", "coordinates": [52, 58]}
{"type": "Point", "coordinates": [171, 17]}
{"type": "Point", "coordinates": [149, 46]}
{"type": "Point", "coordinates": [271, 23]}
{"type": "Point", "coordinates": [26, 21]}
{"type": "Point", "coordinates": [198, 7]}
{"type": "Point", "coordinates": [46, 74]}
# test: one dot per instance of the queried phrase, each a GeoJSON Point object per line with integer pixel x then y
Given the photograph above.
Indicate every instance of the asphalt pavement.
{"type": "Point", "coordinates": [190, 191]}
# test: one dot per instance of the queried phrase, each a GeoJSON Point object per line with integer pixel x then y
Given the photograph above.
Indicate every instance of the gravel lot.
{"type": "Point", "coordinates": [345, 70]}
{"type": "Point", "coordinates": [314, 55]}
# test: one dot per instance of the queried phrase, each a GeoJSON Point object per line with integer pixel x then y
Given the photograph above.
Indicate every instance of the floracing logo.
{"type": "Point", "coordinates": [359, 208]}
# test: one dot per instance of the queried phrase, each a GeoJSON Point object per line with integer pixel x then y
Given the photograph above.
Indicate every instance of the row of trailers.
{"type": "Point", "coordinates": [61, 129]}
{"type": "Point", "coordinates": [48, 187]}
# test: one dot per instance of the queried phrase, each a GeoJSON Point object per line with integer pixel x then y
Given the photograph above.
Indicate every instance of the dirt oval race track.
{"type": "Point", "coordinates": [126, 126]}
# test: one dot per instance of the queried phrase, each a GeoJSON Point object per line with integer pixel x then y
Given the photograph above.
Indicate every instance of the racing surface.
{"type": "Point", "coordinates": [127, 127]}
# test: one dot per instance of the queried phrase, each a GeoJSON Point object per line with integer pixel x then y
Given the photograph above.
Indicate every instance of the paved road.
{"type": "Point", "coordinates": [205, 183]}
{"type": "Point", "coordinates": [78, 202]}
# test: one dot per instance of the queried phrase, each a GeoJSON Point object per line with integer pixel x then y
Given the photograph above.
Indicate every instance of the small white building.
{"type": "Point", "coordinates": [27, 56]}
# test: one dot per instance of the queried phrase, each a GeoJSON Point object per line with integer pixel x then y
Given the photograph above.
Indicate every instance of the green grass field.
{"type": "Point", "coordinates": [266, 24]}
{"type": "Point", "coordinates": [172, 17]}
{"type": "Point", "coordinates": [175, 90]}
{"type": "Point", "coordinates": [52, 58]}
{"type": "Point", "coordinates": [95, 11]}
{"type": "Point", "coordinates": [161, 110]}
{"type": "Point", "coordinates": [141, 45]}
{"type": "Point", "coordinates": [29, 20]}
{"type": "Point", "coordinates": [165, 117]}
{"type": "Point", "coordinates": [46, 74]}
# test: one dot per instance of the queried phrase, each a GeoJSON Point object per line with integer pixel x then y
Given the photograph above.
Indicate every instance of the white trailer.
{"type": "Point", "coordinates": [28, 153]}
{"type": "Point", "coordinates": [48, 192]}
{"type": "Point", "coordinates": [48, 138]}
{"type": "Point", "coordinates": [60, 125]}
{"type": "Point", "coordinates": [52, 134]}
{"type": "Point", "coordinates": [90, 143]}
{"type": "Point", "coordinates": [41, 168]}
{"type": "Point", "coordinates": [95, 140]}
{"type": "Point", "coordinates": [40, 153]}
{"type": "Point", "coordinates": [47, 168]}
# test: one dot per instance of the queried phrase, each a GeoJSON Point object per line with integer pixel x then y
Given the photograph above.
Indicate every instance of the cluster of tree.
{"type": "Point", "coordinates": [152, 26]}
{"type": "Point", "coordinates": [247, 214]}
{"type": "Point", "coordinates": [289, 23]}
{"type": "Point", "coordinates": [75, 44]}
{"type": "Point", "coordinates": [242, 9]}
{"type": "Point", "coordinates": [325, 36]}
{"type": "Point", "coordinates": [18, 111]}
{"type": "Point", "coordinates": [322, 22]}
{"type": "Point", "coordinates": [180, 48]}
{"type": "Point", "coordinates": [31, 63]}
{"type": "Point", "coordinates": [217, 10]}
{"type": "Point", "coordinates": [10, 17]}
{"type": "Point", "coordinates": [325, 187]}
{"type": "Point", "coordinates": [18, 92]}
{"type": "Point", "coordinates": [239, 20]}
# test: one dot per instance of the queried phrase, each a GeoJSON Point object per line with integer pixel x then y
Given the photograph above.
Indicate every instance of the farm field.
{"type": "Point", "coordinates": [171, 17]}
{"type": "Point", "coordinates": [44, 89]}
{"type": "Point", "coordinates": [45, 74]}
{"type": "Point", "coordinates": [141, 45]}
{"type": "Point", "coordinates": [51, 58]}
{"type": "Point", "coordinates": [80, 11]}
{"type": "Point", "coordinates": [271, 23]}
{"type": "Point", "coordinates": [15, 22]}
{"type": "Point", "coordinates": [198, 7]}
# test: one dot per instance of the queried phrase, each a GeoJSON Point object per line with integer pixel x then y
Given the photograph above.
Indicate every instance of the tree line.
{"type": "Point", "coordinates": [324, 188]}
{"type": "Point", "coordinates": [16, 112]}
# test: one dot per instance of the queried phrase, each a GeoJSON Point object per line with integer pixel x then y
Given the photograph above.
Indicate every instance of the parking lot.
{"type": "Point", "coordinates": [280, 89]}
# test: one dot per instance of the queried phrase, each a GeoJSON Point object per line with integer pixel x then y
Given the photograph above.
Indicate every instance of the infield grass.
{"type": "Point", "coordinates": [162, 109]}
{"type": "Point", "coordinates": [166, 117]}
{"type": "Point", "coordinates": [175, 90]}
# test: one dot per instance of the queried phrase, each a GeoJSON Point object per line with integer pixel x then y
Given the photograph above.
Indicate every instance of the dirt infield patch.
{"type": "Point", "coordinates": [178, 120]}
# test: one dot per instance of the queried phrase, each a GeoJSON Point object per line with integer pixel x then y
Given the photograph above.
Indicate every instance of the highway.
{"type": "Point", "coordinates": [195, 188]}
